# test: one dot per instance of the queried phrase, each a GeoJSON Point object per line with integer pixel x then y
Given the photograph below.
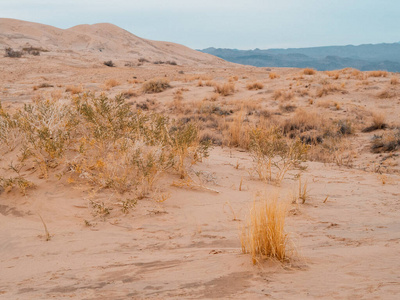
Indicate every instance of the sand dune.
{"type": "Point", "coordinates": [103, 41]}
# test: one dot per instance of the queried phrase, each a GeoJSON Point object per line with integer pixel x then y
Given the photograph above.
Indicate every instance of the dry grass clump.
{"type": "Point", "coordinates": [74, 89]}
{"type": "Point", "coordinates": [309, 71]}
{"type": "Point", "coordinates": [155, 86]}
{"type": "Point", "coordinates": [129, 94]}
{"type": "Point", "coordinates": [328, 89]}
{"type": "Point", "coordinates": [43, 85]}
{"type": "Point", "coordinates": [209, 83]}
{"type": "Point", "coordinates": [287, 108]}
{"type": "Point", "coordinates": [225, 89]}
{"type": "Point", "coordinates": [168, 62]}
{"type": "Point", "coordinates": [302, 121]}
{"type": "Point", "coordinates": [233, 78]}
{"type": "Point", "coordinates": [387, 142]}
{"type": "Point", "coordinates": [110, 83]}
{"type": "Point", "coordinates": [21, 183]}
{"type": "Point", "coordinates": [255, 86]}
{"type": "Point", "coordinates": [355, 73]}
{"type": "Point", "coordinates": [325, 103]}
{"type": "Point", "coordinates": [332, 149]}
{"type": "Point", "coordinates": [378, 122]}
{"type": "Point", "coordinates": [237, 132]}
{"type": "Point", "coordinates": [333, 74]}
{"type": "Point", "coordinates": [378, 74]}
{"type": "Point", "coordinates": [302, 92]}
{"type": "Point", "coordinates": [282, 95]}
{"type": "Point", "coordinates": [143, 60]}
{"type": "Point", "coordinates": [203, 77]}
{"type": "Point", "coordinates": [264, 237]}
{"type": "Point", "coordinates": [344, 127]}
{"type": "Point", "coordinates": [394, 81]}
{"type": "Point", "coordinates": [273, 75]}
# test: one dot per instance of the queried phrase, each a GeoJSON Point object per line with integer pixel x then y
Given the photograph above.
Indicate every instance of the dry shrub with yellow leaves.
{"type": "Point", "coordinates": [100, 141]}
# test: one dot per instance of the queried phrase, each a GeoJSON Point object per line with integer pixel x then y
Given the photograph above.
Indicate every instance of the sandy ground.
{"type": "Point", "coordinates": [345, 238]}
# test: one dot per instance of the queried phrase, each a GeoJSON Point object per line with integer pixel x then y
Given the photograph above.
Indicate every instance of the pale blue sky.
{"type": "Point", "coordinates": [238, 24]}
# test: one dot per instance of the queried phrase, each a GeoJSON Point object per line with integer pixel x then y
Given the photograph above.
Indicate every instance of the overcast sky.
{"type": "Point", "coordinates": [237, 24]}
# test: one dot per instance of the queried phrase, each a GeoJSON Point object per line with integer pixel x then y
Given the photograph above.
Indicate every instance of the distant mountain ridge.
{"type": "Point", "coordinates": [384, 56]}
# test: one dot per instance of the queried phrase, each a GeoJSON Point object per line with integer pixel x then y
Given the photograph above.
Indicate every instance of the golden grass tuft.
{"type": "Point", "coordinates": [282, 95]}
{"type": "Point", "coordinates": [394, 80]}
{"type": "Point", "coordinates": [303, 121]}
{"type": "Point", "coordinates": [309, 71]}
{"type": "Point", "coordinates": [233, 78]}
{"type": "Point", "coordinates": [209, 83]}
{"type": "Point", "coordinates": [110, 83]}
{"type": "Point", "coordinates": [74, 89]}
{"type": "Point", "coordinates": [264, 236]}
{"type": "Point", "coordinates": [224, 89]}
{"type": "Point", "coordinates": [333, 74]}
{"type": "Point", "coordinates": [378, 120]}
{"type": "Point", "coordinates": [377, 74]}
{"type": "Point", "coordinates": [255, 86]}
{"type": "Point", "coordinates": [155, 85]}
{"type": "Point", "coordinates": [273, 75]}
{"type": "Point", "coordinates": [328, 89]}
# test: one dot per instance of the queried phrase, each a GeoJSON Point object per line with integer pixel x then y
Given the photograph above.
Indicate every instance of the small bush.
{"type": "Point", "coordinates": [378, 122]}
{"type": "Point", "coordinates": [333, 74]}
{"type": "Point", "coordinates": [9, 52]}
{"type": "Point", "coordinates": [272, 151]}
{"type": "Point", "coordinates": [129, 94]}
{"type": "Point", "coordinates": [255, 86]}
{"type": "Point", "coordinates": [388, 142]}
{"type": "Point", "coordinates": [143, 60]}
{"type": "Point", "coordinates": [155, 86]}
{"type": "Point", "coordinates": [98, 141]}
{"type": "Point", "coordinates": [345, 127]}
{"type": "Point", "coordinates": [109, 63]}
{"type": "Point", "coordinates": [328, 89]}
{"type": "Point", "coordinates": [309, 71]}
{"type": "Point", "coordinates": [273, 75]}
{"type": "Point", "coordinates": [41, 86]}
{"type": "Point", "coordinates": [35, 51]}
{"type": "Point", "coordinates": [9, 183]}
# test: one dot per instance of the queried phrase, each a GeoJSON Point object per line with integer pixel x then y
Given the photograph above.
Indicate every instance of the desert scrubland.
{"type": "Point", "coordinates": [135, 169]}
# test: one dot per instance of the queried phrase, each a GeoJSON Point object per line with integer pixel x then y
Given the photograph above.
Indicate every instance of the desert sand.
{"type": "Point", "coordinates": [183, 240]}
